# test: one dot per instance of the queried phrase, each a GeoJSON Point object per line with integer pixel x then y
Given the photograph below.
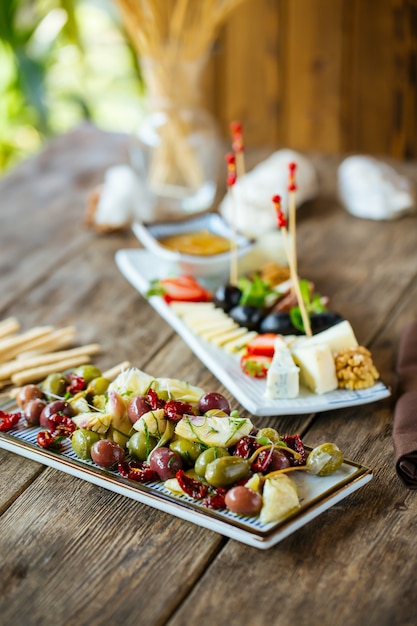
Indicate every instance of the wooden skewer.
{"type": "Point", "coordinates": [282, 224]}
{"type": "Point", "coordinates": [238, 148]}
{"type": "Point", "coordinates": [292, 188]}
{"type": "Point", "coordinates": [231, 180]}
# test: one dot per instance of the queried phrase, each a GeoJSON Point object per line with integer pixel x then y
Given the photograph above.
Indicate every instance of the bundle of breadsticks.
{"type": "Point", "coordinates": [29, 356]}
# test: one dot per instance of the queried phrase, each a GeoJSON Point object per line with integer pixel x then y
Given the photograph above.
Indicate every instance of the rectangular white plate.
{"type": "Point", "coordinates": [140, 267]}
{"type": "Point", "coordinates": [317, 494]}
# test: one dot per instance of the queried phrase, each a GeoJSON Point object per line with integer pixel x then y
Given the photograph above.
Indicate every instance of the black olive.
{"type": "Point", "coordinates": [227, 296]}
{"type": "Point", "coordinates": [323, 321]}
{"type": "Point", "coordinates": [278, 323]}
{"type": "Point", "coordinates": [247, 315]}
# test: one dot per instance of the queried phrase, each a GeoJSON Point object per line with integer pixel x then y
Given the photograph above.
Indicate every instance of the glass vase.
{"type": "Point", "coordinates": [177, 148]}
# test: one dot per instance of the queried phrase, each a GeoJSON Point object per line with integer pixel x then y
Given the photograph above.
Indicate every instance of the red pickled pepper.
{"type": "Point", "coordinates": [8, 420]}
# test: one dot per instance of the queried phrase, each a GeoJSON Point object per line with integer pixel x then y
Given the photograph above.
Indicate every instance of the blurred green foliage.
{"type": "Point", "coordinates": [61, 62]}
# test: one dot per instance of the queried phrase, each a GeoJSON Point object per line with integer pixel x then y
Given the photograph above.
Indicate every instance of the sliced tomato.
{"type": "Point", "coordinates": [180, 289]}
{"type": "Point", "coordinates": [263, 344]}
{"type": "Point", "coordinates": [255, 365]}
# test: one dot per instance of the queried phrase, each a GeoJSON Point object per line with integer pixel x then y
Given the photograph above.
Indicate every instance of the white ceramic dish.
{"type": "Point", "coordinates": [140, 267]}
{"type": "Point", "coordinates": [317, 494]}
{"type": "Point", "coordinates": [151, 234]}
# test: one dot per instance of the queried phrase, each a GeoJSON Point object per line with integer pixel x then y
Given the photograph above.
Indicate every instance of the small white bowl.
{"type": "Point", "coordinates": [194, 265]}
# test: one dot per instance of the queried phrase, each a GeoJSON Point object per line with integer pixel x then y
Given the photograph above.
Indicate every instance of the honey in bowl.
{"type": "Point", "coordinates": [200, 243]}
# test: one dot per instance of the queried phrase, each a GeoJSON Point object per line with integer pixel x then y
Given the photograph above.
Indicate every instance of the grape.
{"type": "Point", "coordinates": [58, 406]}
{"type": "Point", "coordinates": [137, 407]}
{"type": "Point", "coordinates": [26, 394]}
{"type": "Point", "coordinates": [107, 453]}
{"type": "Point", "coordinates": [33, 410]}
{"type": "Point", "coordinates": [165, 463]}
{"type": "Point", "coordinates": [213, 400]}
{"type": "Point", "coordinates": [243, 500]}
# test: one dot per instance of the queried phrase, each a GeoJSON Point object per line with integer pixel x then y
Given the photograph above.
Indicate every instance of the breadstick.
{"type": "Point", "coordinates": [8, 326]}
{"type": "Point", "coordinates": [10, 346]}
{"type": "Point", "coordinates": [19, 365]}
{"type": "Point", "coordinates": [38, 373]}
{"type": "Point", "coordinates": [116, 370]}
{"type": "Point", "coordinates": [57, 339]}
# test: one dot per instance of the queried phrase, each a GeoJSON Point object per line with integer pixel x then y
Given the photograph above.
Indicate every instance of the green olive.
{"type": "Point", "coordinates": [226, 471]}
{"type": "Point", "coordinates": [55, 385]}
{"type": "Point", "coordinates": [140, 445]}
{"type": "Point", "coordinates": [267, 435]}
{"type": "Point", "coordinates": [206, 457]}
{"type": "Point", "coordinates": [98, 385]}
{"type": "Point", "coordinates": [189, 451]}
{"type": "Point", "coordinates": [82, 440]}
{"type": "Point", "coordinates": [324, 459]}
{"type": "Point", "coordinates": [88, 372]}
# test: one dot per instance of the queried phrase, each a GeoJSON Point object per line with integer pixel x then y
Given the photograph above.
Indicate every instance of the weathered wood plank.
{"type": "Point", "coordinates": [73, 553]}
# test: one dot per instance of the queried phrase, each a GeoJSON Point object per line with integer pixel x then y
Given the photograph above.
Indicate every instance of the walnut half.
{"type": "Point", "coordinates": [355, 368]}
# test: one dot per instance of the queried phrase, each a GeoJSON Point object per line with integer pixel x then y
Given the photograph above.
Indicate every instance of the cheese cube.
{"type": "Point", "coordinates": [337, 338]}
{"type": "Point", "coordinates": [317, 367]}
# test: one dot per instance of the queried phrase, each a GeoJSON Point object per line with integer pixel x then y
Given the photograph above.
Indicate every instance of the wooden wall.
{"type": "Point", "coordinates": [327, 75]}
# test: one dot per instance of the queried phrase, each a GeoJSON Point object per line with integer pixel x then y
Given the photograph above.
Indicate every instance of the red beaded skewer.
{"type": "Point", "coordinates": [231, 180]}
{"type": "Point", "coordinates": [238, 147]}
{"type": "Point", "coordinates": [282, 225]}
{"type": "Point", "coordinates": [292, 188]}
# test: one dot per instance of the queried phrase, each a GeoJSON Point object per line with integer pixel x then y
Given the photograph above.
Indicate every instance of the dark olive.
{"type": "Point", "coordinates": [107, 453]}
{"type": "Point", "coordinates": [227, 296]}
{"type": "Point", "coordinates": [214, 400]}
{"type": "Point", "coordinates": [226, 471]}
{"type": "Point", "coordinates": [247, 315]}
{"type": "Point", "coordinates": [58, 406]}
{"type": "Point", "coordinates": [323, 321]}
{"type": "Point", "coordinates": [26, 394]}
{"type": "Point", "coordinates": [33, 410]}
{"type": "Point", "coordinates": [165, 463]}
{"type": "Point", "coordinates": [278, 323]}
{"type": "Point", "coordinates": [242, 500]}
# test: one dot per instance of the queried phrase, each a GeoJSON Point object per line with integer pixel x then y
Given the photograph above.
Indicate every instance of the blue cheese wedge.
{"type": "Point", "coordinates": [282, 380]}
{"type": "Point", "coordinates": [317, 366]}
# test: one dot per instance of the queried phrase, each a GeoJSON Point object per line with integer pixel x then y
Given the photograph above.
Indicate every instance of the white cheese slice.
{"type": "Point", "coordinates": [186, 308]}
{"type": "Point", "coordinates": [229, 335]}
{"type": "Point", "coordinates": [282, 380]}
{"type": "Point", "coordinates": [206, 323]}
{"type": "Point", "coordinates": [317, 367]}
{"type": "Point", "coordinates": [219, 329]}
{"type": "Point", "coordinates": [238, 344]}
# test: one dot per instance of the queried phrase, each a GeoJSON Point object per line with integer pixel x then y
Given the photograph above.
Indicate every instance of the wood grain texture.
{"type": "Point", "coordinates": [331, 75]}
{"type": "Point", "coordinates": [72, 553]}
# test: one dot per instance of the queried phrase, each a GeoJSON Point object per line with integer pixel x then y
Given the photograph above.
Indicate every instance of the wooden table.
{"type": "Point", "coordinates": [72, 553]}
